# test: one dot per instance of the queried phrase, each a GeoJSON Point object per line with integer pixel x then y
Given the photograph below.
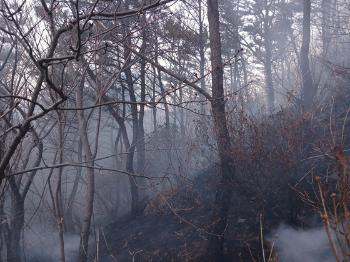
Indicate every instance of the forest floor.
{"type": "Point", "coordinates": [178, 231]}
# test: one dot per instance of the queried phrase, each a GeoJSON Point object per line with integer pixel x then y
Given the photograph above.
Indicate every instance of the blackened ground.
{"type": "Point", "coordinates": [179, 234]}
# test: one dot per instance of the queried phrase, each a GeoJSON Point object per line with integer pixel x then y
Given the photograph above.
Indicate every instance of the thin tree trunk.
{"type": "Point", "coordinates": [181, 110]}
{"type": "Point", "coordinates": [215, 251]}
{"type": "Point", "coordinates": [4, 227]}
{"type": "Point", "coordinates": [308, 88]}
{"type": "Point", "coordinates": [326, 9]}
{"type": "Point", "coordinates": [129, 148]}
{"type": "Point", "coordinates": [19, 191]}
{"type": "Point", "coordinates": [162, 92]}
{"type": "Point", "coordinates": [134, 113]}
{"type": "Point", "coordinates": [161, 86]}
{"type": "Point", "coordinates": [270, 92]}
{"type": "Point", "coordinates": [140, 146]}
{"type": "Point", "coordinates": [58, 192]}
{"type": "Point", "coordinates": [88, 157]}
{"type": "Point", "coordinates": [16, 223]}
{"type": "Point", "coordinates": [154, 108]}
{"type": "Point", "coordinates": [182, 115]}
{"type": "Point", "coordinates": [201, 50]}
{"type": "Point", "coordinates": [69, 221]}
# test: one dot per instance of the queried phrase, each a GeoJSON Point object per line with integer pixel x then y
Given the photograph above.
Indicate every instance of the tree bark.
{"type": "Point", "coordinates": [135, 130]}
{"type": "Point", "coordinates": [154, 108]}
{"type": "Point", "coordinates": [19, 192]}
{"type": "Point", "coordinates": [270, 92]}
{"type": "Point", "coordinates": [308, 88]}
{"type": "Point", "coordinates": [88, 157]}
{"type": "Point", "coordinates": [326, 6]}
{"type": "Point", "coordinates": [58, 193]}
{"type": "Point", "coordinates": [16, 223]}
{"type": "Point", "coordinates": [201, 46]}
{"type": "Point", "coordinates": [69, 221]}
{"type": "Point", "coordinates": [161, 86]}
{"type": "Point", "coordinates": [215, 251]}
{"type": "Point", "coordinates": [140, 146]}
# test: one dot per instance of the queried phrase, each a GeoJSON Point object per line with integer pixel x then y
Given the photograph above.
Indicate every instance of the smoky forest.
{"type": "Point", "coordinates": [174, 130]}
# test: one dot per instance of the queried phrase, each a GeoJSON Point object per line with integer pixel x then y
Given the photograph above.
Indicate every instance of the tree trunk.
{"type": "Point", "coordinates": [69, 221]}
{"type": "Point", "coordinates": [182, 115]}
{"type": "Point", "coordinates": [154, 108]}
{"type": "Point", "coordinates": [129, 148]}
{"type": "Point", "coordinates": [180, 90]}
{"type": "Point", "coordinates": [88, 157]}
{"type": "Point", "coordinates": [4, 230]}
{"type": "Point", "coordinates": [270, 92]}
{"type": "Point", "coordinates": [201, 51]}
{"type": "Point", "coordinates": [326, 9]}
{"type": "Point", "coordinates": [161, 87]}
{"type": "Point", "coordinates": [140, 146]}
{"type": "Point", "coordinates": [215, 251]}
{"type": "Point", "coordinates": [308, 88]}
{"type": "Point", "coordinates": [58, 193]}
{"type": "Point", "coordinates": [201, 46]}
{"type": "Point", "coordinates": [135, 130]}
{"type": "Point", "coordinates": [19, 189]}
{"type": "Point", "coordinates": [16, 223]}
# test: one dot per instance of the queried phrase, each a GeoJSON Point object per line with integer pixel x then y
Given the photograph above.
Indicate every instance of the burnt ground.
{"type": "Point", "coordinates": [179, 233]}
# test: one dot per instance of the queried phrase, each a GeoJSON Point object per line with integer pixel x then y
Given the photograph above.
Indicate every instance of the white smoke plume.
{"type": "Point", "coordinates": [296, 245]}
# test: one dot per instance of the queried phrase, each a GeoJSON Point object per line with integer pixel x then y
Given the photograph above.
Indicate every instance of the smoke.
{"type": "Point", "coordinates": [43, 245]}
{"type": "Point", "coordinates": [295, 245]}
